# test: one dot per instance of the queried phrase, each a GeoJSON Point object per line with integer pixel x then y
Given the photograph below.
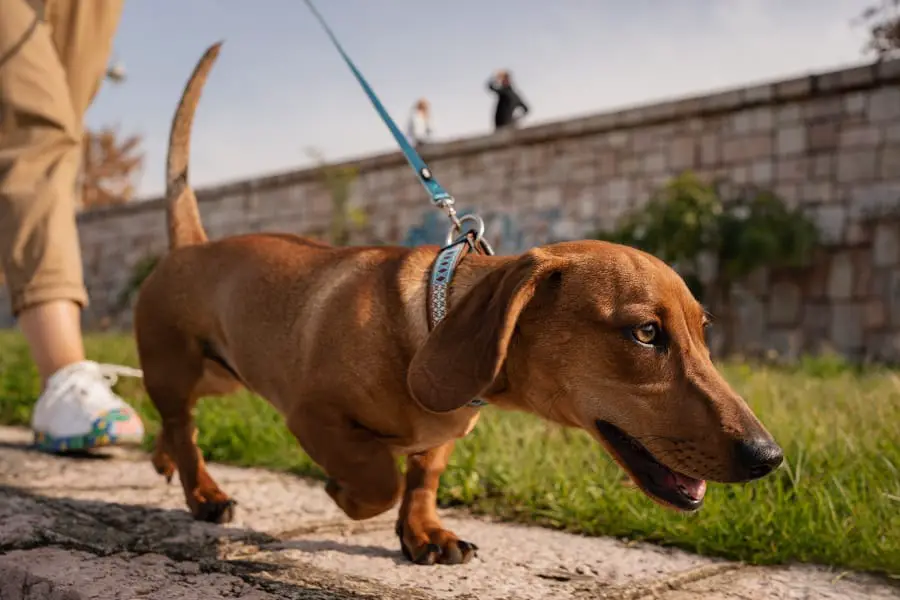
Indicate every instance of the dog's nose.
{"type": "Point", "coordinates": [757, 457]}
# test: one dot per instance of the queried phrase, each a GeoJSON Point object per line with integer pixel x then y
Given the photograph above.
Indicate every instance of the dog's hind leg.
{"type": "Point", "coordinates": [422, 537]}
{"type": "Point", "coordinates": [176, 375]}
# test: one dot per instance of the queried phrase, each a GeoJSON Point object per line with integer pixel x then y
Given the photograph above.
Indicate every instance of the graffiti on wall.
{"type": "Point", "coordinates": [508, 232]}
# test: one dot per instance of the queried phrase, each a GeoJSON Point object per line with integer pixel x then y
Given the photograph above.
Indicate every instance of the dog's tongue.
{"type": "Point", "coordinates": [695, 488]}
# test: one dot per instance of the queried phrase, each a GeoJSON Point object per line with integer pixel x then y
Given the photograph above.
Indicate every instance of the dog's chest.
{"type": "Point", "coordinates": [430, 431]}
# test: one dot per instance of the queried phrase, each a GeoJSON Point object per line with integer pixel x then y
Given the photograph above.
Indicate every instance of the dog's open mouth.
{"type": "Point", "coordinates": [654, 478]}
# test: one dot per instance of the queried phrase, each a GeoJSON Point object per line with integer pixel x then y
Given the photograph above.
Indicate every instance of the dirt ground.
{"type": "Point", "coordinates": [108, 527]}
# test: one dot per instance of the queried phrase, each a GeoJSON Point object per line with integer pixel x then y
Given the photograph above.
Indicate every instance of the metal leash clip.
{"type": "Point", "coordinates": [457, 231]}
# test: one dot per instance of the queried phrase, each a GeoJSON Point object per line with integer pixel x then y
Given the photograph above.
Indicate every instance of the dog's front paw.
{"type": "Point", "coordinates": [430, 545]}
{"type": "Point", "coordinates": [218, 508]}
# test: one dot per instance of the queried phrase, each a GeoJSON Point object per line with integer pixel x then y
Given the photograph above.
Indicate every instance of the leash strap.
{"type": "Point", "coordinates": [439, 195]}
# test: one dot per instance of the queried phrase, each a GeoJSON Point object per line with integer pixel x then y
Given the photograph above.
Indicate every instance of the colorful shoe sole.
{"type": "Point", "coordinates": [104, 432]}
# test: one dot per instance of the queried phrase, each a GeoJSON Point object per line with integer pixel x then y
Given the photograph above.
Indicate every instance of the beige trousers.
{"type": "Point", "coordinates": [50, 70]}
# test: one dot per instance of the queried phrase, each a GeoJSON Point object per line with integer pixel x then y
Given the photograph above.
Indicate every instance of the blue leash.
{"type": "Point", "coordinates": [439, 196]}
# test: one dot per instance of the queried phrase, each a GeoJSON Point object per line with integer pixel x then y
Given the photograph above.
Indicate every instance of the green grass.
{"type": "Point", "coordinates": [836, 501]}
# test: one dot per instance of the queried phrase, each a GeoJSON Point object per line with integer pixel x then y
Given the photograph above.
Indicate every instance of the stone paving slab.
{"type": "Point", "coordinates": [112, 528]}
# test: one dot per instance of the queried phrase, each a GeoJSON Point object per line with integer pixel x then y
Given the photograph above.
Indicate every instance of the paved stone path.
{"type": "Point", "coordinates": [110, 528]}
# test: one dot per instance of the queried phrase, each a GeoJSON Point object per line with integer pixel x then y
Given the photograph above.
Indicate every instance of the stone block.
{"type": "Point", "coordinates": [846, 331]}
{"type": "Point", "coordinates": [821, 165]}
{"type": "Point", "coordinates": [619, 190]}
{"type": "Point", "coordinates": [750, 314]}
{"type": "Point", "coordinates": [857, 234]}
{"type": "Point", "coordinates": [860, 136]}
{"type": "Point", "coordinates": [875, 315]}
{"type": "Point", "coordinates": [784, 303]}
{"type": "Point", "coordinates": [683, 154]}
{"type": "Point", "coordinates": [855, 104]}
{"type": "Point", "coordinates": [857, 166]}
{"type": "Point", "coordinates": [823, 108]}
{"type": "Point", "coordinates": [816, 319]}
{"type": "Point", "coordinates": [790, 141]}
{"type": "Point", "coordinates": [886, 245]}
{"type": "Point", "coordinates": [762, 172]}
{"type": "Point", "coordinates": [654, 162]}
{"type": "Point", "coordinates": [791, 170]}
{"type": "Point", "coordinates": [789, 114]}
{"type": "Point", "coordinates": [881, 283]}
{"type": "Point", "coordinates": [746, 148]}
{"type": "Point", "coordinates": [607, 163]}
{"type": "Point", "coordinates": [619, 139]}
{"type": "Point", "coordinates": [823, 136]}
{"type": "Point", "coordinates": [584, 174]}
{"type": "Point", "coordinates": [763, 119]}
{"type": "Point", "coordinates": [884, 104]}
{"type": "Point", "coordinates": [588, 204]}
{"type": "Point", "coordinates": [644, 140]}
{"type": "Point", "coordinates": [889, 163]}
{"type": "Point", "coordinates": [741, 122]}
{"type": "Point", "coordinates": [841, 277]}
{"type": "Point", "coordinates": [892, 133]}
{"type": "Point", "coordinates": [710, 150]}
{"type": "Point", "coordinates": [752, 120]}
{"type": "Point", "coordinates": [548, 197]}
{"type": "Point", "coordinates": [628, 165]}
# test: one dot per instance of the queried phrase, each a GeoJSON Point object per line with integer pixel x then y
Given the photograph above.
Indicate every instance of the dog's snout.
{"type": "Point", "coordinates": [757, 457]}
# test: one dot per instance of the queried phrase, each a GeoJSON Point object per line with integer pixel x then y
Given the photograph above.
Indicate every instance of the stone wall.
{"type": "Point", "coordinates": [829, 142]}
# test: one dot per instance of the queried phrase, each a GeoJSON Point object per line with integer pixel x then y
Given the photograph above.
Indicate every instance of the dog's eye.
{"type": "Point", "coordinates": [647, 334]}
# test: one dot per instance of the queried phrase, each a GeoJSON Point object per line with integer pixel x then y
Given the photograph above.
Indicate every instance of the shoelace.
{"type": "Point", "coordinates": [111, 373]}
{"type": "Point", "coordinates": [108, 373]}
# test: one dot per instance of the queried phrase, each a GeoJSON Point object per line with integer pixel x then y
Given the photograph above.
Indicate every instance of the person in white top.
{"type": "Point", "coordinates": [418, 130]}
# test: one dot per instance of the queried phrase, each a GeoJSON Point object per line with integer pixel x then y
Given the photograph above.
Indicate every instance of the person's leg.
{"type": "Point", "coordinates": [53, 332]}
{"type": "Point", "coordinates": [50, 73]}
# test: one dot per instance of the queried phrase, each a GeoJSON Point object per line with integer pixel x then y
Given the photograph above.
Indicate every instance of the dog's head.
{"type": "Point", "coordinates": [609, 339]}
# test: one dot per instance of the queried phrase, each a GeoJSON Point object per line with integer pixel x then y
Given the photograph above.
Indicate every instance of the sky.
{"type": "Point", "coordinates": [279, 87]}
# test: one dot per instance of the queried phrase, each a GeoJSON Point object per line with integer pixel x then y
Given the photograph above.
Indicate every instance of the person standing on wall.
{"type": "Point", "coordinates": [418, 129]}
{"type": "Point", "coordinates": [53, 58]}
{"type": "Point", "coordinates": [508, 101]}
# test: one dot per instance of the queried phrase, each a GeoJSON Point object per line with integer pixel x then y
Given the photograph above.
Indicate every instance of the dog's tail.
{"type": "Point", "coordinates": [182, 213]}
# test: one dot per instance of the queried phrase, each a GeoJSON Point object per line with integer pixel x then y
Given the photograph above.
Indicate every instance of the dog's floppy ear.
{"type": "Point", "coordinates": [465, 352]}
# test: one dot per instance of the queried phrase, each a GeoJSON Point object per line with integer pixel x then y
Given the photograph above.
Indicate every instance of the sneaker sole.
{"type": "Point", "coordinates": [101, 435]}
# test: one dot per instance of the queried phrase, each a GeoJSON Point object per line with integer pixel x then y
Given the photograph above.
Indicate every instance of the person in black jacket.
{"type": "Point", "coordinates": [508, 101]}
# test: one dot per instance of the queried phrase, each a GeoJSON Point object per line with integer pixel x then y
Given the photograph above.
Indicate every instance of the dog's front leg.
{"type": "Point", "coordinates": [364, 480]}
{"type": "Point", "coordinates": [422, 537]}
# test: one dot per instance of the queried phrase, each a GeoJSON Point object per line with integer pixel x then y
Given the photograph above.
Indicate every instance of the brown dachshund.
{"type": "Point", "coordinates": [585, 334]}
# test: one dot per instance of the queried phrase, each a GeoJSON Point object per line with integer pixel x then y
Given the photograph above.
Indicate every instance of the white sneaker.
{"type": "Point", "coordinates": [79, 411]}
